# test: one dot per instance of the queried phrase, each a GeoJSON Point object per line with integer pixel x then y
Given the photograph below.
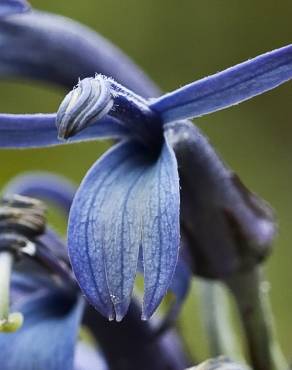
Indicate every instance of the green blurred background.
{"type": "Point", "coordinates": [177, 42]}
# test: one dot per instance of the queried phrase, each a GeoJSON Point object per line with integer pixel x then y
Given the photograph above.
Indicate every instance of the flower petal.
{"type": "Point", "coordinates": [160, 248]}
{"type": "Point", "coordinates": [47, 338]}
{"type": "Point", "coordinates": [38, 45]}
{"type": "Point", "coordinates": [39, 130]}
{"type": "Point", "coordinates": [24, 285]}
{"type": "Point", "coordinates": [45, 186]}
{"type": "Point", "coordinates": [8, 7]}
{"type": "Point", "coordinates": [127, 201]}
{"type": "Point", "coordinates": [227, 88]}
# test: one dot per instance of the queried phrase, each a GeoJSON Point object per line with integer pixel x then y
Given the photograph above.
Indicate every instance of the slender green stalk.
{"type": "Point", "coordinates": [6, 262]}
{"type": "Point", "coordinates": [251, 295]}
{"type": "Point", "coordinates": [217, 321]}
{"type": "Point", "coordinates": [9, 322]}
{"type": "Point", "coordinates": [219, 363]}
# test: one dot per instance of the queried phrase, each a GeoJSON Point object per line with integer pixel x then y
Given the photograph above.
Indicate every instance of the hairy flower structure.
{"type": "Point", "coordinates": [127, 210]}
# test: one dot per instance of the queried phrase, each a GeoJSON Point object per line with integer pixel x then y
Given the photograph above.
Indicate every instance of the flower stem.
{"type": "Point", "coordinates": [9, 322]}
{"type": "Point", "coordinates": [251, 294]}
{"type": "Point", "coordinates": [216, 315]}
{"type": "Point", "coordinates": [6, 262]}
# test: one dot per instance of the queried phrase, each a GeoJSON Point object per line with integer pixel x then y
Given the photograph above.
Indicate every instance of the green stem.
{"type": "Point", "coordinates": [6, 262]}
{"type": "Point", "coordinates": [217, 321]}
{"type": "Point", "coordinates": [9, 322]}
{"type": "Point", "coordinates": [251, 295]}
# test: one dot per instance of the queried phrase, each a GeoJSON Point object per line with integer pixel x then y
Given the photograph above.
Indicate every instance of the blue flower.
{"type": "Point", "coordinates": [47, 338]}
{"type": "Point", "coordinates": [127, 208]}
{"type": "Point", "coordinates": [53, 308]}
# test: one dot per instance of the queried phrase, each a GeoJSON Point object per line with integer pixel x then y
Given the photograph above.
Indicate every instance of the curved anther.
{"type": "Point", "coordinates": [94, 98]}
{"type": "Point", "coordinates": [89, 101]}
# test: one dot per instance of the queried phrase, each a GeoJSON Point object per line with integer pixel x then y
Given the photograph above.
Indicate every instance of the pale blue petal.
{"type": "Point", "coordinates": [47, 339]}
{"type": "Point", "coordinates": [38, 45]}
{"type": "Point", "coordinates": [179, 288]}
{"type": "Point", "coordinates": [162, 235]}
{"type": "Point", "coordinates": [8, 7]}
{"type": "Point", "coordinates": [227, 88]}
{"type": "Point", "coordinates": [39, 130]}
{"type": "Point", "coordinates": [127, 201]}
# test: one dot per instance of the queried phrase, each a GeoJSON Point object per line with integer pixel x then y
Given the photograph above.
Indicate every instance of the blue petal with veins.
{"type": "Point", "coordinates": [127, 201]}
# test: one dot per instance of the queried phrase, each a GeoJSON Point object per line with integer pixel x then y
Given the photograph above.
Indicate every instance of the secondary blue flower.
{"type": "Point", "coordinates": [47, 338]}
{"type": "Point", "coordinates": [60, 192]}
{"type": "Point", "coordinates": [51, 306]}
{"type": "Point", "coordinates": [129, 202]}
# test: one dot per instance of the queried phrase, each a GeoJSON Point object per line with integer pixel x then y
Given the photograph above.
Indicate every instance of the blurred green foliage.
{"type": "Point", "coordinates": [177, 42]}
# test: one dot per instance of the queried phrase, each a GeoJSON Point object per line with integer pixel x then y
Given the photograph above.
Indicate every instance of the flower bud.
{"type": "Point", "coordinates": [89, 101]}
{"type": "Point", "coordinates": [228, 229]}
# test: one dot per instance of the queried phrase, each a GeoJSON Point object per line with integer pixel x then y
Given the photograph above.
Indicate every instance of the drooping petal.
{"type": "Point", "coordinates": [45, 186]}
{"type": "Point", "coordinates": [160, 251]}
{"type": "Point", "coordinates": [179, 288]}
{"type": "Point", "coordinates": [179, 285]}
{"type": "Point", "coordinates": [38, 45]}
{"type": "Point", "coordinates": [8, 7]}
{"type": "Point", "coordinates": [39, 130]}
{"type": "Point", "coordinates": [47, 338]}
{"type": "Point", "coordinates": [127, 200]}
{"type": "Point", "coordinates": [227, 88]}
